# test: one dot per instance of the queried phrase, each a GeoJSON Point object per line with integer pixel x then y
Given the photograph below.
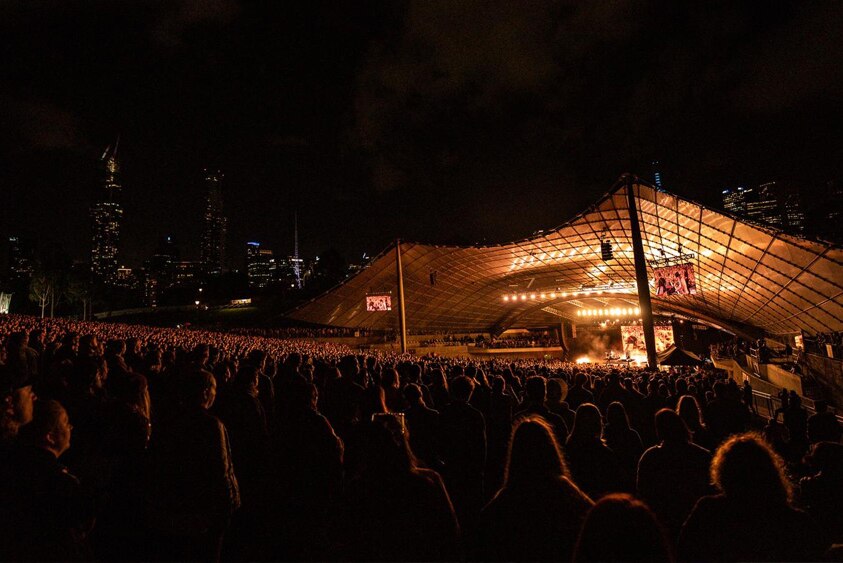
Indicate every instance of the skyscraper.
{"type": "Point", "coordinates": [21, 258]}
{"type": "Point", "coordinates": [296, 261]}
{"type": "Point", "coordinates": [657, 175]}
{"type": "Point", "coordinates": [793, 214]}
{"type": "Point", "coordinates": [216, 226]}
{"type": "Point", "coordinates": [763, 206]}
{"type": "Point", "coordinates": [734, 200]}
{"type": "Point", "coordinates": [259, 265]}
{"type": "Point", "coordinates": [106, 216]}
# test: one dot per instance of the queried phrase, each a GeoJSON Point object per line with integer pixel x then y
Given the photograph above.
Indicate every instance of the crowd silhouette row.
{"type": "Point", "coordinates": [124, 443]}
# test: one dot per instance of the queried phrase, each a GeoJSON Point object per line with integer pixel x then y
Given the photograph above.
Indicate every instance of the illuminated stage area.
{"type": "Point", "coordinates": [702, 265]}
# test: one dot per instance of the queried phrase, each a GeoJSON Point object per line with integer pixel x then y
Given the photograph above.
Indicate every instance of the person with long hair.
{"type": "Point", "coordinates": [536, 513]}
{"type": "Point", "coordinates": [622, 528]}
{"type": "Point", "coordinates": [689, 411]}
{"type": "Point", "coordinates": [752, 517]}
{"type": "Point", "coordinates": [624, 441]}
{"type": "Point", "coordinates": [394, 510]}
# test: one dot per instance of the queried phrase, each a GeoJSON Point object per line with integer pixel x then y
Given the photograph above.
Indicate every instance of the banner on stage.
{"type": "Point", "coordinates": [633, 340]}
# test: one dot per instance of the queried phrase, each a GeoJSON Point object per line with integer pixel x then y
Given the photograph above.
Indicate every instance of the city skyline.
{"type": "Point", "coordinates": [421, 121]}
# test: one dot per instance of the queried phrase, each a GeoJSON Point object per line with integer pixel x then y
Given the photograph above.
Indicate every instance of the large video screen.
{"type": "Point", "coordinates": [675, 280]}
{"type": "Point", "coordinates": [633, 340]}
{"type": "Point", "coordinates": [378, 302]}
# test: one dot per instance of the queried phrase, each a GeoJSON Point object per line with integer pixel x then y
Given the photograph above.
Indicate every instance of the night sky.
{"type": "Point", "coordinates": [434, 121]}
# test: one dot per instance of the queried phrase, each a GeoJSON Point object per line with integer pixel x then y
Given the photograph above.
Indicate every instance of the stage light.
{"type": "Point", "coordinates": [553, 295]}
{"type": "Point", "coordinates": [523, 297]}
{"type": "Point", "coordinates": [506, 297]}
{"type": "Point", "coordinates": [532, 296]}
{"type": "Point", "coordinates": [543, 296]}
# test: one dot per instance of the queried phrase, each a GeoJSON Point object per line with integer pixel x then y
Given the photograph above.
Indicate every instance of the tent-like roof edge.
{"type": "Point", "coordinates": [621, 183]}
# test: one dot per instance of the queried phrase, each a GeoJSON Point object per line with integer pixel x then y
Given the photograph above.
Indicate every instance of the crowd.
{"type": "Point", "coordinates": [531, 341]}
{"type": "Point", "coordinates": [304, 332]}
{"type": "Point", "coordinates": [123, 442]}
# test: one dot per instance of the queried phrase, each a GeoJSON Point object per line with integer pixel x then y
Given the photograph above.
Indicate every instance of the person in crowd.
{"type": "Point", "coordinates": [823, 425]}
{"type": "Point", "coordinates": [502, 404]}
{"type": "Point", "coordinates": [624, 442]}
{"type": "Point", "coordinates": [795, 420]}
{"type": "Point", "coordinates": [463, 447]}
{"type": "Point", "coordinates": [18, 403]}
{"type": "Point", "coordinates": [673, 475]}
{"type": "Point", "coordinates": [689, 411]}
{"type": "Point", "coordinates": [393, 396]}
{"type": "Point", "coordinates": [536, 514]}
{"type": "Point", "coordinates": [595, 468]}
{"type": "Point", "coordinates": [557, 391]}
{"type": "Point", "coordinates": [725, 415]}
{"type": "Point", "coordinates": [821, 492]}
{"type": "Point", "coordinates": [241, 411]}
{"type": "Point", "coordinates": [613, 391]}
{"type": "Point", "coordinates": [395, 510]}
{"type": "Point", "coordinates": [192, 490]}
{"type": "Point", "coordinates": [535, 392]}
{"type": "Point", "coordinates": [309, 468]}
{"type": "Point", "coordinates": [423, 427]}
{"type": "Point", "coordinates": [622, 528]}
{"type": "Point", "coordinates": [44, 514]}
{"type": "Point", "coordinates": [265, 386]}
{"type": "Point", "coordinates": [578, 394]}
{"type": "Point", "coordinates": [344, 396]}
{"type": "Point", "coordinates": [439, 391]}
{"type": "Point", "coordinates": [755, 497]}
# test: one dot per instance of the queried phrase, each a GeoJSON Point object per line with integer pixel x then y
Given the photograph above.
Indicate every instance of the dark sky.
{"type": "Point", "coordinates": [433, 121]}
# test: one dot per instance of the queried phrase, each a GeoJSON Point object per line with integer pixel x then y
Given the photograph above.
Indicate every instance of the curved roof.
{"type": "Point", "coordinates": [748, 276]}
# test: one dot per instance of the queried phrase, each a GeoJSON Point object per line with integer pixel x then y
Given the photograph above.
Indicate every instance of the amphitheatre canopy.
{"type": "Point", "coordinates": [746, 277]}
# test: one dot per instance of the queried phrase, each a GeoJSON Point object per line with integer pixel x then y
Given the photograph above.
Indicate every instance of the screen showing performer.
{"type": "Point", "coordinates": [675, 280]}
{"type": "Point", "coordinates": [378, 302]}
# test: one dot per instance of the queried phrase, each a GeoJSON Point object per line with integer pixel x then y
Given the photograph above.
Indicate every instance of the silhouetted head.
{"type": "Point", "coordinates": [670, 428]}
{"type": "Point", "coordinates": [588, 423]}
{"type": "Point", "coordinates": [199, 388]}
{"type": "Point", "coordinates": [536, 389]}
{"type": "Point", "coordinates": [246, 378]}
{"type": "Point", "coordinates": [390, 378]}
{"type": "Point", "coordinates": [413, 394]}
{"type": "Point", "coordinates": [498, 384]}
{"type": "Point", "coordinates": [461, 388]}
{"type": "Point", "coordinates": [372, 402]}
{"type": "Point", "coordinates": [688, 410]}
{"type": "Point", "coordinates": [388, 447]}
{"type": "Point", "coordinates": [50, 428]}
{"type": "Point", "coordinates": [616, 416]}
{"type": "Point", "coordinates": [349, 366]}
{"type": "Point", "coordinates": [621, 528]}
{"type": "Point", "coordinates": [534, 455]}
{"type": "Point", "coordinates": [303, 395]}
{"type": "Point", "coordinates": [746, 468]}
{"type": "Point", "coordinates": [557, 390]}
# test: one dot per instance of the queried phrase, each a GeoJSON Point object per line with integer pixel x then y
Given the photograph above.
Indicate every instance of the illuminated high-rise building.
{"type": "Point", "coordinates": [763, 206]}
{"type": "Point", "coordinates": [106, 216]}
{"type": "Point", "coordinates": [21, 258]}
{"type": "Point", "coordinates": [657, 176]}
{"type": "Point", "coordinates": [216, 226]}
{"type": "Point", "coordinates": [260, 264]}
{"type": "Point", "coordinates": [793, 214]}
{"type": "Point", "coordinates": [734, 200]}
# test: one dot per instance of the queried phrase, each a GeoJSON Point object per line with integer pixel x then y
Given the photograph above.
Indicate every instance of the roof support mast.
{"type": "Point", "coordinates": [402, 314]}
{"type": "Point", "coordinates": [641, 275]}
